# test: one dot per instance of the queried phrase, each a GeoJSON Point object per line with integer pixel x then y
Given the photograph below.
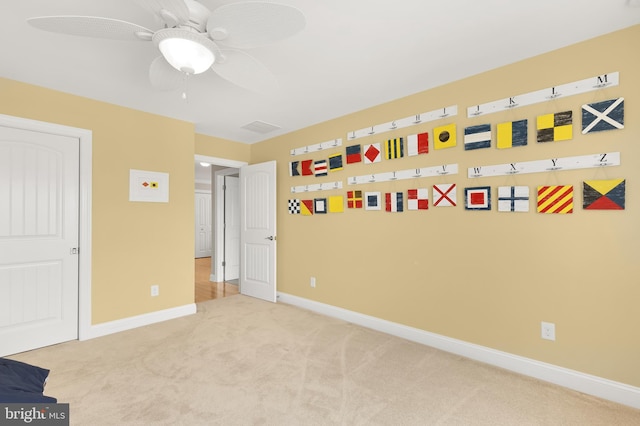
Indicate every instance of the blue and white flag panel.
{"type": "Point", "coordinates": [476, 137]}
{"type": "Point", "coordinates": [320, 205]}
{"type": "Point", "coordinates": [605, 115]}
{"type": "Point", "coordinates": [393, 202]}
{"type": "Point", "coordinates": [372, 201]}
{"type": "Point", "coordinates": [513, 198]}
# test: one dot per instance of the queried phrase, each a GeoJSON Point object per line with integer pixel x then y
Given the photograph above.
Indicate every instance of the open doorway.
{"type": "Point", "coordinates": [215, 275]}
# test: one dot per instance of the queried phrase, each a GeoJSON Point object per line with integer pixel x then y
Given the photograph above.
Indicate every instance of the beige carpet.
{"type": "Point", "coordinates": [241, 361]}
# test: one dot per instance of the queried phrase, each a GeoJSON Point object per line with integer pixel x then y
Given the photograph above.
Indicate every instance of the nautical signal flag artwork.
{"type": "Point", "coordinates": [418, 144]}
{"type": "Point", "coordinates": [394, 148]}
{"type": "Point", "coordinates": [320, 205]}
{"type": "Point", "coordinates": [444, 136]}
{"type": "Point", "coordinates": [372, 201]}
{"type": "Point", "coordinates": [513, 198]}
{"type": "Point", "coordinates": [372, 153]}
{"type": "Point", "coordinates": [294, 206]}
{"type": "Point", "coordinates": [418, 199]}
{"type": "Point", "coordinates": [511, 134]}
{"type": "Point", "coordinates": [476, 137]}
{"type": "Point", "coordinates": [335, 162]}
{"type": "Point", "coordinates": [354, 155]}
{"type": "Point", "coordinates": [336, 204]}
{"type": "Point", "coordinates": [354, 199]}
{"type": "Point", "coordinates": [306, 207]}
{"type": "Point", "coordinates": [320, 168]}
{"type": "Point", "coordinates": [294, 169]}
{"type": "Point", "coordinates": [603, 194]}
{"type": "Point", "coordinates": [555, 127]}
{"type": "Point", "coordinates": [555, 199]}
{"type": "Point", "coordinates": [444, 195]}
{"type": "Point", "coordinates": [306, 167]}
{"type": "Point", "coordinates": [477, 198]}
{"type": "Point", "coordinates": [605, 115]}
{"type": "Point", "coordinates": [393, 202]}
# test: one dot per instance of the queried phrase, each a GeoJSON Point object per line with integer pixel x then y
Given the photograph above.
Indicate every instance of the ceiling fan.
{"type": "Point", "coordinates": [194, 39]}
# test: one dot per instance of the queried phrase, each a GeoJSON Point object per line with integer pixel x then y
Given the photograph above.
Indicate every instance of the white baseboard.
{"type": "Point", "coordinates": [137, 321]}
{"type": "Point", "coordinates": [581, 382]}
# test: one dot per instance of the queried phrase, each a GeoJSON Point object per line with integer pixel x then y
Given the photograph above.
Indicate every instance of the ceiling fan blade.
{"type": "Point", "coordinates": [163, 76]}
{"type": "Point", "coordinates": [92, 26]}
{"type": "Point", "coordinates": [254, 23]}
{"type": "Point", "coordinates": [171, 12]}
{"type": "Point", "coordinates": [245, 71]}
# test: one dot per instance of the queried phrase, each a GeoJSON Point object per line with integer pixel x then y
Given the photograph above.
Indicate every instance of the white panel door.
{"type": "Point", "coordinates": [232, 228]}
{"type": "Point", "coordinates": [258, 230]}
{"type": "Point", "coordinates": [39, 178]}
{"type": "Point", "coordinates": [203, 224]}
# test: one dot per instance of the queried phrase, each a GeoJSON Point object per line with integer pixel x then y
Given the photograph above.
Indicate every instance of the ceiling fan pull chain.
{"type": "Point", "coordinates": [185, 87]}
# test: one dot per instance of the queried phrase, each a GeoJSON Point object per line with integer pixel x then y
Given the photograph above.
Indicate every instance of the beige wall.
{"type": "Point", "coordinates": [222, 148]}
{"type": "Point", "coordinates": [488, 278]}
{"type": "Point", "coordinates": [135, 245]}
{"type": "Point", "coordinates": [483, 277]}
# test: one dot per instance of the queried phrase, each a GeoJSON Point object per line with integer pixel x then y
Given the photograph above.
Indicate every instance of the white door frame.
{"type": "Point", "coordinates": [84, 237]}
{"type": "Point", "coordinates": [231, 226]}
{"type": "Point", "coordinates": [218, 221]}
{"type": "Point", "coordinates": [218, 197]}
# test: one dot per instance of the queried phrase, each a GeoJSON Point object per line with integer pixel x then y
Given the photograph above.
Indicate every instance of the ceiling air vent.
{"type": "Point", "coordinates": [261, 127]}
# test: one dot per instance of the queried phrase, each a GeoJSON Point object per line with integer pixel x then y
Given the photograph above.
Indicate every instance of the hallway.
{"type": "Point", "coordinates": [207, 290]}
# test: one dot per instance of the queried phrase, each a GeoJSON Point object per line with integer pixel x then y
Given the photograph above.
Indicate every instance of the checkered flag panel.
{"type": "Point", "coordinates": [294, 206]}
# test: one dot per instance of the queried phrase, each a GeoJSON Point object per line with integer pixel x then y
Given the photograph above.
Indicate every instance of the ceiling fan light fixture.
{"type": "Point", "coordinates": [185, 50]}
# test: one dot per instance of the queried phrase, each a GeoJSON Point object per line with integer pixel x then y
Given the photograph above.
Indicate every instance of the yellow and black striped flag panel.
{"type": "Point", "coordinates": [555, 127]}
{"type": "Point", "coordinates": [444, 136]}
{"type": "Point", "coordinates": [394, 148]}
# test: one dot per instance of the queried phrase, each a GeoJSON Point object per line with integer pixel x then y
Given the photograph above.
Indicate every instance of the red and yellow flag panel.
{"type": "Point", "coordinates": [555, 199]}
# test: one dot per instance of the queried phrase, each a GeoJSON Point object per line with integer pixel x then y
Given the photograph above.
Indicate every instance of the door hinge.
{"type": "Point", "coordinates": [75, 250]}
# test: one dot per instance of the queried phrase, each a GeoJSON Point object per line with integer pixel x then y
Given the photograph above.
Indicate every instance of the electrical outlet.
{"type": "Point", "coordinates": [312, 282]}
{"type": "Point", "coordinates": [548, 330]}
{"type": "Point", "coordinates": [155, 290]}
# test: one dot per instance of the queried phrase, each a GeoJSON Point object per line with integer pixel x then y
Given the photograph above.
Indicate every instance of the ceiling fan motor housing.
{"type": "Point", "coordinates": [198, 15]}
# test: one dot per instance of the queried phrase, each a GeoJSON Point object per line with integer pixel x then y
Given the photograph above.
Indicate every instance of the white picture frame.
{"type": "Point", "coordinates": [147, 186]}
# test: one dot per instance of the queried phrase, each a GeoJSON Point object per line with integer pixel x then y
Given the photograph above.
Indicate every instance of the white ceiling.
{"type": "Point", "coordinates": [353, 54]}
